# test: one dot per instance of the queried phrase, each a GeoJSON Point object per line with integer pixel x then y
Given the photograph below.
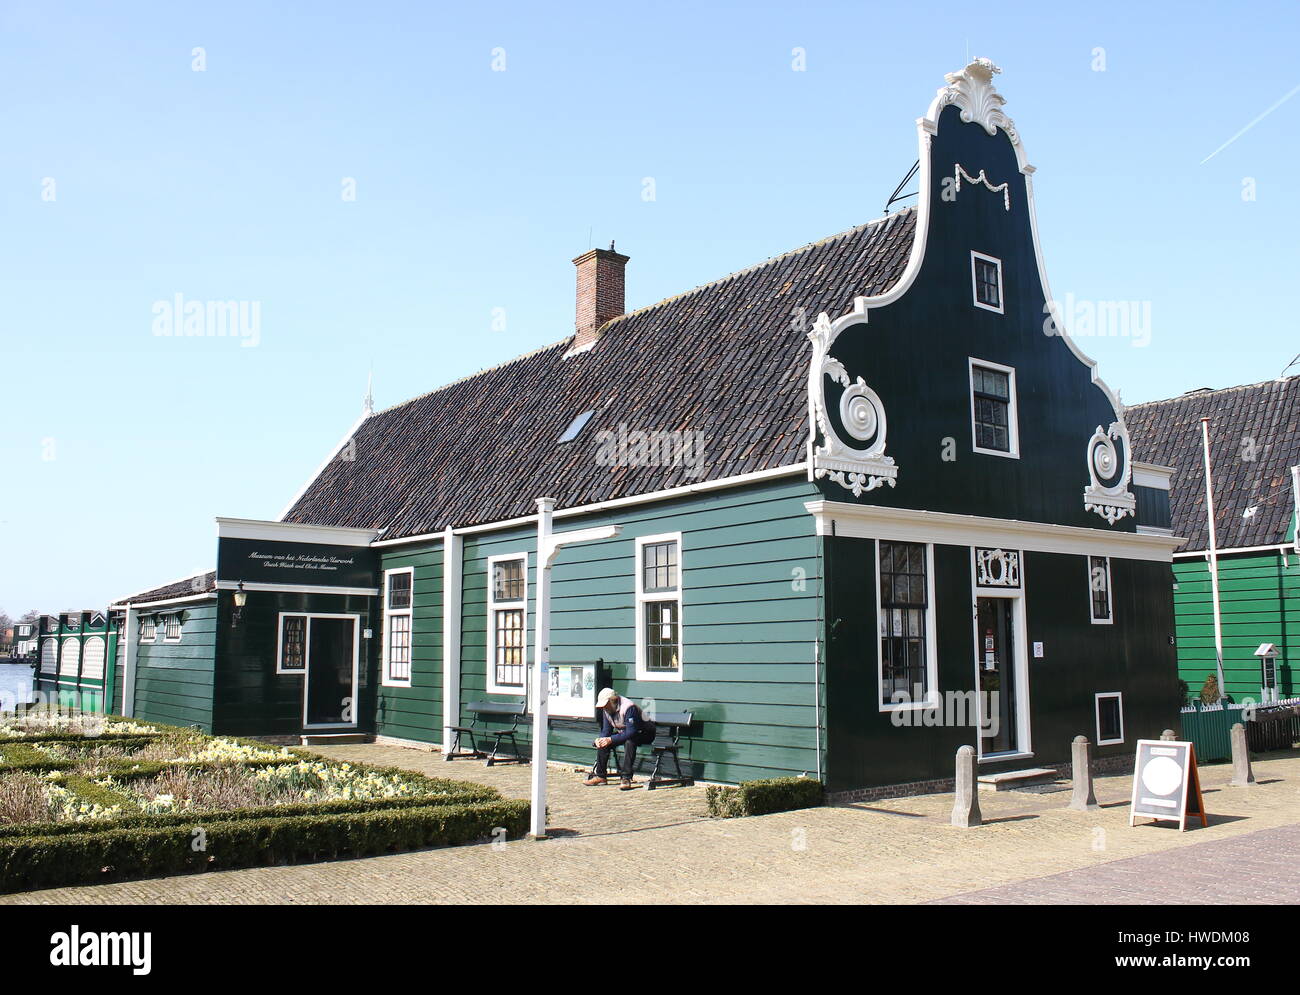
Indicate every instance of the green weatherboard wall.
{"type": "Point", "coordinates": [173, 681]}
{"type": "Point", "coordinates": [1259, 596]}
{"type": "Point", "coordinates": [751, 579]}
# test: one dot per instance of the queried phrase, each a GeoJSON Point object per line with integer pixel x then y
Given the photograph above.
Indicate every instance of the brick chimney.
{"type": "Point", "coordinates": [600, 293]}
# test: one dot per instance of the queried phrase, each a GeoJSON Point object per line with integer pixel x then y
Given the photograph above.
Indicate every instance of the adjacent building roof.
{"type": "Point", "coordinates": [728, 359]}
{"type": "Point", "coordinates": [1254, 441]}
{"type": "Point", "coordinates": [198, 584]}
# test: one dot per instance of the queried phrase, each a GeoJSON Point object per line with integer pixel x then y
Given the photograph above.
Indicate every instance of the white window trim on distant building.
{"type": "Point", "coordinates": [1119, 698]}
{"type": "Point", "coordinates": [974, 283]}
{"type": "Point", "coordinates": [407, 613]}
{"type": "Point", "coordinates": [1013, 413]}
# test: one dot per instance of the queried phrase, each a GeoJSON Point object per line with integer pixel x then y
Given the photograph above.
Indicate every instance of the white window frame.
{"type": "Point", "coordinates": [1110, 601]}
{"type": "Point", "coordinates": [387, 679]}
{"type": "Point", "coordinates": [152, 623]}
{"type": "Point", "coordinates": [491, 642]}
{"type": "Point", "coordinates": [643, 674]}
{"type": "Point", "coordinates": [974, 283]}
{"type": "Point", "coordinates": [279, 644]}
{"type": "Point", "coordinates": [1013, 408]}
{"type": "Point", "coordinates": [1119, 696]}
{"type": "Point", "coordinates": [179, 627]}
{"type": "Point", "coordinates": [931, 629]}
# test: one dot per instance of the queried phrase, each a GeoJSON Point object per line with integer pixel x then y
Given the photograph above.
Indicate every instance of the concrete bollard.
{"type": "Point", "coordinates": [966, 800]}
{"type": "Point", "coordinates": [1242, 774]}
{"type": "Point", "coordinates": [1168, 735]}
{"type": "Point", "coordinates": [1083, 799]}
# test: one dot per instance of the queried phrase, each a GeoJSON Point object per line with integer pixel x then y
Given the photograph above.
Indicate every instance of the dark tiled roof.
{"type": "Point", "coordinates": [1259, 420]}
{"type": "Point", "coordinates": [724, 359]}
{"type": "Point", "coordinates": [198, 584]}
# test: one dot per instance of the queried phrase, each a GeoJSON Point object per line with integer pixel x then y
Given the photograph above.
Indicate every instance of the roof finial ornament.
{"type": "Point", "coordinates": [972, 91]}
{"type": "Point", "coordinates": [368, 405]}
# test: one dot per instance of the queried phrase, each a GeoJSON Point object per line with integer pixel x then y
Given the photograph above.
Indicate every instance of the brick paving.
{"type": "Point", "coordinates": [1256, 869]}
{"type": "Point", "coordinates": [658, 847]}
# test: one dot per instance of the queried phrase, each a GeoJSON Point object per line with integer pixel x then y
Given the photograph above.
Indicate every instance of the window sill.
{"type": "Point", "coordinates": [994, 758]}
{"type": "Point", "coordinates": [996, 452]}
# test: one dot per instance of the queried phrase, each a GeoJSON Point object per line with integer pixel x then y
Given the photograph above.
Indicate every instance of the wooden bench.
{"type": "Point", "coordinates": [669, 727]}
{"type": "Point", "coordinates": [516, 711]}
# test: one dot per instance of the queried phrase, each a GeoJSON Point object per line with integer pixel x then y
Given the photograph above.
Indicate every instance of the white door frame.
{"type": "Point", "coordinates": [1020, 664]}
{"type": "Point", "coordinates": [306, 676]}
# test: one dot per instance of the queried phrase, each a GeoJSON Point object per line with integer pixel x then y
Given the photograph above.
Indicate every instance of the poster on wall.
{"type": "Point", "coordinates": [1165, 783]}
{"type": "Point", "coordinates": [572, 690]}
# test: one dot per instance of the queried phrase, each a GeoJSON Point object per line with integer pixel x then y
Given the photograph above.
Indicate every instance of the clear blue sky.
{"type": "Point", "coordinates": [475, 188]}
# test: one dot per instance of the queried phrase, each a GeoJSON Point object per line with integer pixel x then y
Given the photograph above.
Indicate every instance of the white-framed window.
{"type": "Point", "coordinates": [1110, 717]}
{"type": "Point", "coordinates": [659, 607]}
{"type": "Point", "coordinates": [507, 624]}
{"type": "Point", "coordinates": [399, 591]}
{"type": "Point", "coordinates": [172, 628]}
{"type": "Point", "coordinates": [986, 282]}
{"type": "Point", "coordinates": [1099, 600]}
{"type": "Point", "coordinates": [148, 629]}
{"type": "Point", "coordinates": [291, 644]}
{"type": "Point", "coordinates": [908, 664]}
{"type": "Point", "coordinates": [994, 422]}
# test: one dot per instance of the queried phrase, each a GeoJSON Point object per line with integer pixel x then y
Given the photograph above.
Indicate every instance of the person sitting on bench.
{"type": "Point", "coordinates": [621, 724]}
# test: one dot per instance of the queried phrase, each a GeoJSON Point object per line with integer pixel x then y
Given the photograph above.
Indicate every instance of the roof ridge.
{"type": "Point", "coordinates": [1204, 392]}
{"type": "Point", "coordinates": [770, 260]}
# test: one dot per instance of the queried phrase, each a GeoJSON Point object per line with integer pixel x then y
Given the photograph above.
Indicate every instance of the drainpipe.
{"type": "Point", "coordinates": [128, 662]}
{"type": "Point", "coordinates": [541, 664]}
{"type": "Point", "coordinates": [452, 555]}
{"type": "Point", "coordinates": [1214, 557]}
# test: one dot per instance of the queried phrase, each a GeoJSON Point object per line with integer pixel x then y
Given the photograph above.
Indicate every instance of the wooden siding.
{"type": "Point", "coordinates": [751, 591]}
{"type": "Point", "coordinates": [414, 712]}
{"type": "Point", "coordinates": [1259, 596]}
{"type": "Point", "coordinates": [173, 681]}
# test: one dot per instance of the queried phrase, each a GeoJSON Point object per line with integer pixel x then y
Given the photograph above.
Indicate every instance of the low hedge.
{"type": "Point", "coordinates": [47, 860]}
{"type": "Point", "coordinates": [774, 794]}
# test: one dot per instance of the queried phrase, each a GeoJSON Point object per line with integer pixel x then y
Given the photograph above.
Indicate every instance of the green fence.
{"type": "Point", "coordinates": [1208, 728]}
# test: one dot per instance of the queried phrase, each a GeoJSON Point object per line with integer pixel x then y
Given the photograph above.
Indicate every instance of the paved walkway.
{"type": "Point", "coordinates": [655, 846]}
{"type": "Point", "coordinates": [1256, 869]}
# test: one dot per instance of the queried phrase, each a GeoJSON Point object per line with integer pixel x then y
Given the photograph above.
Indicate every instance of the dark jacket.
{"type": "Point", "coordinates": [635, 727]}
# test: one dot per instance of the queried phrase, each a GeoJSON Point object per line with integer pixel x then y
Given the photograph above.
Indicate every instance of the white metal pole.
{"type": "Point", "coordinates": [542, 667]}
{"type": "Point", "coordinates": [1214, 556]}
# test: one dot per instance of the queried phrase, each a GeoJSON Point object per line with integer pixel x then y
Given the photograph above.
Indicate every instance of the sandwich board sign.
{"type": "Point", "coordinates": [1165, 783]}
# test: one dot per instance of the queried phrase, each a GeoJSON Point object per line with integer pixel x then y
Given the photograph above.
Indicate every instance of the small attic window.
{"type": "Point", "coordinates": [576, 426]}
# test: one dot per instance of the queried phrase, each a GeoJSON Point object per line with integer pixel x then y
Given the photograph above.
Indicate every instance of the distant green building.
{"type": "Point", "coordinates": [75, 648]}
{"type": "Point", "coordinates": [1255, 466]}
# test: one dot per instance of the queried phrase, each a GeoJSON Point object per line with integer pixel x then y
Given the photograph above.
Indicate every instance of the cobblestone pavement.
{"type": "Point", "coordinates": [657, 847]}
{"type": "Point", "coordinates": [1258, 868]}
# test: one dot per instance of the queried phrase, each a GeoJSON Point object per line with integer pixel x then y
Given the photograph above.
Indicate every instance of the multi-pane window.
{"type": "Point", "coordinates": [293, 643]}
{"type": "Point", "coordinates": [172, 629]}
{"type": "Point", "coordinates": [148, 630]}
{"type": "Point", "coordinates": [1110, 718]}
{"type": "Point", "coordinates": [659, 608]}
{"type": "Point", "coordinates": [397, 625]}
{"type": "Point", "coordinates": [1099, 588]}
{"type": "Point", "coordinates": [991, 400]}
{"type": "Point", "coordinates": [904, 601]}
{"type": "Point", "coordinates": [986, 274]}
{"type": "Point", "coordinates": [507, 602]}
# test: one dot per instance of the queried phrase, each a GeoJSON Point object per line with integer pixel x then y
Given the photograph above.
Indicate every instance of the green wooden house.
{"type": "Point", "coordinates": [1255, 468]}
{"type": "Point", "coordinates": [867, 513]}
{"type": "Point", "coordinates": [74, 653]}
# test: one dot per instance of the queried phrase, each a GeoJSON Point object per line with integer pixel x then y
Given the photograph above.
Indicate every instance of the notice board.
{"type": "Point", "coordinates": [1166, 785]}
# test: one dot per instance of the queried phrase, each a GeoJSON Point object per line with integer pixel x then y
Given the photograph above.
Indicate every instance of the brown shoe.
{"type": "Point", "coordinates": [592, 781]}
{"type": "Point", "coordinates": [627, 786]}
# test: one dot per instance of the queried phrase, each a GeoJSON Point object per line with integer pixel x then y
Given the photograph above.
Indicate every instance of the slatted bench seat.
{"type": "Point", "coordinates": [515, 711]}
{"type": "Point", "coordinates": [669, 727]}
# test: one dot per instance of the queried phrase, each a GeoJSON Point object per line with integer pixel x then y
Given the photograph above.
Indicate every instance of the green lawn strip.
{"type": "Point", "coordinates": [42, 860]}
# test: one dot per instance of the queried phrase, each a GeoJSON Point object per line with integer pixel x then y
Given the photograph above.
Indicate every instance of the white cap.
{"type": "Point", "coordinates": [602, 699]}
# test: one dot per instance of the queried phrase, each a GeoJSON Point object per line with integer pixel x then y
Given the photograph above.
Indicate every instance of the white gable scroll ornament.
{"type": "Point", "coordinates": [1107, 494]}
{"type": "Point", "coordinates": [857, 468]}
{"type": "Point", "coordinates": [972, 91]}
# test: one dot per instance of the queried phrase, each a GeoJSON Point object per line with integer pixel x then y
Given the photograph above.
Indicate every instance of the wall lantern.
{"type": "Point", "coordinates": [1267, 654]}
{"type": "Point", "coordinates": [241, 599]}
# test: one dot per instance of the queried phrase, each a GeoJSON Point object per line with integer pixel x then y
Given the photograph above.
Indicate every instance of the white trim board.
{"type": "Point", "coordinates": [328, 535]}
{"type": "Point", "coordinates": [740, 480]}
{"type": "Point", "coordinates": [232, 585]}
{"type": "Point", "coordinates": [862, 521]}
{"type": "Point", "coordinates": [1151, 475]}
{"type": "Point", "coordinates": [166, 601]}
{"type": "Point", "coordinates": [1284, 547]}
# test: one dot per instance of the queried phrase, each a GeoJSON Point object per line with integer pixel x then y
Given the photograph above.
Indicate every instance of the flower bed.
{"type": "Point", "coordinates": [119, 798]}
